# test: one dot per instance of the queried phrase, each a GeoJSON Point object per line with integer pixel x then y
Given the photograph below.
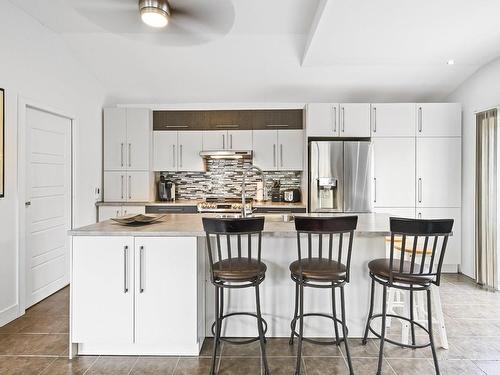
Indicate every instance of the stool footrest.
{"type": "Point", "coordinates": [240, 342]}
{"type": "Point", "coordinates": [329, 342]}
{"type": "Point", "coordinates": [400, 344]}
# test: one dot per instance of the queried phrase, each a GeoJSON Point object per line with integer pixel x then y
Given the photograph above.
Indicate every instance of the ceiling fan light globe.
{"type": "Point", "coordinates": [154, 17]}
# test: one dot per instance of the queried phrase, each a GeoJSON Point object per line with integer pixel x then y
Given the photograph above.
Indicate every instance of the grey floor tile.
{"type": "Point", "coordinates": [325, 365]}
{"type": "Point", "coordinates": [155, 366]}
{"type": "Point", "coordinates": [193, 366]}
{"type": "Point", "coordinates": [411, 366]}
{"type": "Point", "coordinates": [489, 367]}
{"type": "Point", "coordinates": [240, 366]}
{"type": "Point", "coordinates": [112, 366]}
{"type": "Point", "coordinates": [33, 344]}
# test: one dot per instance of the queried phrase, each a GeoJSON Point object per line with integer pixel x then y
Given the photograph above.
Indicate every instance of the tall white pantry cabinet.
{"type": "Point", "coordinates": [417, 160]}
{"type": "Point", "coordinates": [127, 157]}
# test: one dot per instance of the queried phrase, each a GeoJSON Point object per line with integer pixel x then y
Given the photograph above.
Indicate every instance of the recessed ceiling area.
{"type": "Point", "coordinates": [278, 50]}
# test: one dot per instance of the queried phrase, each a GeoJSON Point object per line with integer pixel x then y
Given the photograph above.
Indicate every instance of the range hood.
{"type": "Point", "coordinates": [226, 154]}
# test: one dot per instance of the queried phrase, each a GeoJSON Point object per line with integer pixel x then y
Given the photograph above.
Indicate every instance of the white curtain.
{"type": "Point", "coordinates": [487, 158]}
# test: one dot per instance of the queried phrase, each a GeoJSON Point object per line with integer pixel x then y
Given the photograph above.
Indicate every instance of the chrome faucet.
{"type": "Point", "coordinates": [243, 192]}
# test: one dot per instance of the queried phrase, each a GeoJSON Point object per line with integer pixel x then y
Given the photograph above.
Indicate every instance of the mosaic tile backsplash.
{"type": "Point", "coordinates": [223, 179]}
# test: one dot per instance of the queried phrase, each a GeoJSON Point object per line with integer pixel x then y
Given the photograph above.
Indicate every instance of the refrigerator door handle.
{"type": "Point", "coordinates": [374, 189]}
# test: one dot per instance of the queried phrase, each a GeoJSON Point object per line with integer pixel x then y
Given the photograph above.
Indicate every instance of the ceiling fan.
{"type": "Point", "coordinates": [189, 21]}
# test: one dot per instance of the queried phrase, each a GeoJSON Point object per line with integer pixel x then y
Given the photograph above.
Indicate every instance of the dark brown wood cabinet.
{"type": "Point", "coordinates": [228, 119]}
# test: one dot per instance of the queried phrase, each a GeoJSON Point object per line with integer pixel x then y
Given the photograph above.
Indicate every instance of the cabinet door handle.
{"type": "Point", "coordinates": [223, 142]}
{"type": "Point", "coordinates": [343, 120]}
{"type": "Point", "coordinates": [281, 154]}
{"type": "Point", "coordinates": [335, 119]}
{"type": "Point", "coordinates": [129, 187]}
{"type": "Point", "coordinates": [173, 154]}
{"type": "Point", "coordinates": [117, 213]}
{"type": "Point", "coordinates": [121, 154]}
{"type": "Point", "coordinates": [122, 187]}
{"type": "Point", "coordinates": [375, 190]}
{"type": "Point", "coordinates": [420, 215]}
{"type": "Point", "coordinates": [230, 141]}
{"type": "Point", "coordinates": [420, 119]}
{"type": "Point", "coordinates": [141, 271]}
{"type": "Point", "coordinates": [374, 119]}
{"type": "Point", "coordinates": [177, 126]}
{"type": "Point", "coordinates": [125, 269]}
{"type": "Point", "coordinates": [277, 125]}
{"type": "Point", "coordinates": [419, 190]}
{"type": "Point", "coordinates": [274, 155]}
{"type": "Point", "coordinates": [180, 156]}
{"type": "Point", "coordinates": [130, 154]}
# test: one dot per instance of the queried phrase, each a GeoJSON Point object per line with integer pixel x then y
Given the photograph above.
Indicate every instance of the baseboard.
{"type": "Point", "coordinates": [450, 268]}
{"type": "Point", "coordinates": [9, 314]}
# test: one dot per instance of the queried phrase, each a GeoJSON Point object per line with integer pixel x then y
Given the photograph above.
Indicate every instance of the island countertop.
{"type": "Point", "coordinates": [190, 225]}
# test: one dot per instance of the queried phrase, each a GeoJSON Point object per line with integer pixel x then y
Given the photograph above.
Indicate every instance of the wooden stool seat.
{"type": "Point", "coordinates": [239, 269]}
{"type": "Point", "coordinates": [381, 269]}
{"type": "Point", "coordinates": [318, 269]}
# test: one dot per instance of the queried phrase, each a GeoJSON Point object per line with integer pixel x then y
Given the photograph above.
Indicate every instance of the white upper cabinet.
{"type": "Point", "coordinates": [178, 151]}
{"type": "Point", "coordinates": [290, 149]}
{"type": "Point", "coordinates": [393, 119]}
{"type": "Point", "coordinates": [322, 120]}
{"type": "Point", "coordinates": [394, 172]}
{"type": "Point", "coordinates": [278, 149]}
{"type": "Point", "coordinates": [438, 174]}
{"type": "Point", "coordinates": [265, 144]}
{"type": "Point", "coordinates": [190, 143]}
{"type": "Point", "coordinates": [439, 120]}
{"type": "Point", "coordinates": [215, 140]}
{"type": "Point", "coordinates": [227, 140]}
{"type": "Point", "coordinates": [127, 139]}
{"type": "Point", "coordinates": [138, 139]}
{"type": "Point", "coordinates": [164, 150]}
{"type": "Point", "coordinates": [355, 120]}
{"type": "Point", "coordinates": [115, 139]}
{"type": "Point", "coordinates": [239, 140]}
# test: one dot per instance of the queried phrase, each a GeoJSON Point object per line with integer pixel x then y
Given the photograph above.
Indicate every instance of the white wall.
{"type": "Point", "coordinates": [480, 91]}
{"type": "Point", "coordinates": [35, 64]}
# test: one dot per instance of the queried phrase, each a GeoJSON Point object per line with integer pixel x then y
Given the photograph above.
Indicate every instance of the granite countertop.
{"type": "Point", "coordinates": [188, 202]}
{"type": "Point", "coordinates": [190, 225]}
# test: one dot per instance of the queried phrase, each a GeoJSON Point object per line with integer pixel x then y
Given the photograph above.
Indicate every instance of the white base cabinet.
{"type": "Point", "coordinates": [137, 295]}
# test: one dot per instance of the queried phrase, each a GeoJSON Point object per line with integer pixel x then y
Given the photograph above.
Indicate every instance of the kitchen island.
{"type": "Point", "coordinates": [146, 290]}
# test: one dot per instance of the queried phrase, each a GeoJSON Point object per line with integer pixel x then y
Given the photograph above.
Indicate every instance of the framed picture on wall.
{"type": "Point", "coordinates": [2, 143]}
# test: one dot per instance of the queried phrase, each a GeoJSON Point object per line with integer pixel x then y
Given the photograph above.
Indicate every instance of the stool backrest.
{"type": "Point", "coordinates": [432, 235]}
{"type": "Point", "coordinates": [234, 238]}
{"type": "Point", "coordinates": [326, 238]}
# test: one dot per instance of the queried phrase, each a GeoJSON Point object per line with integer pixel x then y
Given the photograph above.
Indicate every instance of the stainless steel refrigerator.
{"type": "Point", "coordinates": [340, 173]}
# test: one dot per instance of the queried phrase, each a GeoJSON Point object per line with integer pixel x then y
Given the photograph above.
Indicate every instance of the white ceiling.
{"type": "Point", "coordinates": [278, 50]}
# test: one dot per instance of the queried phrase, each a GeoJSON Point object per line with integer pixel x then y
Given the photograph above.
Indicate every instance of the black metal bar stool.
{"type": "Point", "coordinates": [230, 267]}
{"type": "Point", "coordinates": [328, 268]}
{"type": "Point", "coordinates": [410, 275]}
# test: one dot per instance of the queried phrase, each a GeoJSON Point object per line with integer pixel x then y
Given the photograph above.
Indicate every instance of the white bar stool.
{"type": "Point", "coordinates": [398, 299]}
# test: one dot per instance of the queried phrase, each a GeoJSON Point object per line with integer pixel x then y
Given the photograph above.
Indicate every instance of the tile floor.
{"type": "Point", "coordinates": [38, 342]}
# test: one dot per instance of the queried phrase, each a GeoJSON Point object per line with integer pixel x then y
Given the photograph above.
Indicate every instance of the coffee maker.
{"type": "Point", "coordinates": [166, 189]}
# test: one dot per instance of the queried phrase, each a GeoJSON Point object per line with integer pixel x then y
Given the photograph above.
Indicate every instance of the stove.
{"type": "Point", "coordinates": [223, 205]}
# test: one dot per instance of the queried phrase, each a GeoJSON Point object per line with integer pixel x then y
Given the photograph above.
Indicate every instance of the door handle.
{"type": "Point", "coordinates": [125, 269]}
{"type": "Point", "coordinates": [343, 120]}
{"type": "Point", "coordinates": [223, 142]}
{"type": "Point", "coordinates": [173, 154]}
{"type": "Point", "coordinates": [420, 119]}
{"type": "Point", "coordinates": [129, 187]}
{"type": "Point", "coordinates": [141, 256]}
{"type": "Point", "coordinates": [27, 203]}
{"type": "Point", "coordinates": [130, 154]}
{"type": "Point", "coordinates": [274, 155]}
{"type": "Point", "coordinates": [334, 119]}
{"type": "Point", "coordinates": [281, 154]}
{"type": "Point", "coordinates": [122, 187]}
{"type": "Point", "coordinates": [121, 154]}
{"type": "Point", "coordinates": [374, 119]}
{"type": "Point", "coordinates": [419, 190]}
{"type": "Point", "coordinates": [375, 190]}
{"type": "Point", "coordinates": [180, 156]}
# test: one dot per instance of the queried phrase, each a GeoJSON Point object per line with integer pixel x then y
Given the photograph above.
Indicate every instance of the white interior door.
{"type": "Point", "coordinates": [48, 203]}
